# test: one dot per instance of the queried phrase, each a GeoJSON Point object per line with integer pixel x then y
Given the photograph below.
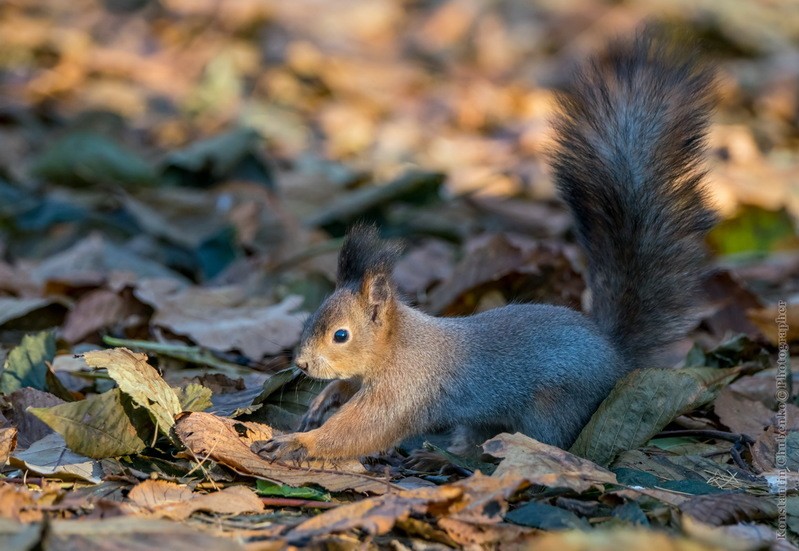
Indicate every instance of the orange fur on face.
{"type": "Point", "coordinates": [368, 326]}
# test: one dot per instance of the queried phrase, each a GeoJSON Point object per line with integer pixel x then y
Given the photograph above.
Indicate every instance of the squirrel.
{"type": "Point", "coordinates": [627, 161]}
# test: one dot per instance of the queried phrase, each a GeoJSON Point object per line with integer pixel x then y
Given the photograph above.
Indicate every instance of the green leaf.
{"type": "Point", "coordinates": [105, 425]}
{"type": "Point", "coordinates": [286, 396]}
{"type": "Point", "coordinates": [642, 404]}
{"type": "Point", "coordinates": [268, 488]}
{"type": "Point", "coordinates": [85, 158]}
{"type": "Point", "coordinates": [26, 365]}
{"type": "Point", "coordinates": [193, 397]}
{"type": "Point", "coordinates": [634, 477]}
{"type": "Point", "coordinates": [632, 513]}
{"type": "Point", "coordinates": [753, 230]}
{"type": "Point", "coordinates": [217, 251]}
{"type": "Point", "coordinates": [141, 382]}
{"type": "Point", "coordinates": [234, 156]}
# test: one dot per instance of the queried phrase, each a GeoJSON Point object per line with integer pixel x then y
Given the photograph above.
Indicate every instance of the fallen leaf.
{"type": "Point", "coordinates": [132, 534]}
{"type": "Point", "coordinates": [26, 364]}
{"type": "Point", "coordinates": [233, 397]}
{"type": "Point", "coordinates": [375, 515]}
{"type": "Point", "coordinates": [719, 509]}
{"type": "Point", "coordinates": [51, 457]}
{"type": "Point", "coordinates": [235, 155]}
{"type": "Point", "coordinates": [687, 474]}
{"type": "Point", "coordinates": [225, 318]}
{"type": "Point", "coordinates": [30, 427]}
{"type": "Point", "coordinates": [105, 425]}
{"type": "Point", "coordinates": [546, 517]}
{"type": "Point", "coordinates": [228, 442]}
{"type": "Point", "coordinates": [738, 537]}
{"type": "Point", "coordinates": [194, 397]}
{"type": "Point", "coordinates": [139, 380]}
{"type": "Point", "coordinates": [528, 270]}
{"type": "Point", "coordinates": [486, 536]}
{"type": "Point", "coordinates": [170, 500]}
{"type": "Point", "coordinates": [485, 498]}
{"type": "Point", "coordinates": [423, 266]}
{"type": "Point", "coordinates": [286, 396]}
{"type": "Point", "coordinates": [730, 299]}
{"type": "Point", "coordinates": [267, 488]}
{"type": "Point", "coordinates": [93, 261]}
{"type": "Point", "coordinates": [8, 442]}
{"type": "Point", "coordinates": [12, 308]}
{"type": "Point", "coordinates": [642, 404]}
{"type": "Point", "coordinates": [18, 503]}
{"type": "Point", "coordinates": [93, 311]}
{"type": "Point", "coordinates": [86, 159]}
{"type": "Point", "coordinates": [775, 322]}
{"type": "Point", "coordinates": [742, 415]}
{"type": "Point", "coordinates": [540, 463]}
{"type": "Point", "coordinates": [765, 450]}
{"type": "Point", "coordinates": [17, 536]}
{"type": "Point", "coordinates": [151, 494]}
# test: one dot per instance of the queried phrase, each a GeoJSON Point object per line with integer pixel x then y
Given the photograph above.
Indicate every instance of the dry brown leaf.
{"type": "Point", "coordinates": [485, 498]}
{"type": "Point", "coordinates": [741, 414]}
{"type": "Point", "coordinates": [8, 442]}
{"type": "Point", "coordinates": [738, 537]}
{"type": "Point", "coordinates": [719, 509]}
{"type": "Point", "coordinates": [170, 500]}
{"type": "Point", "coordinates": [225, 318]}
{"type": "Point", "coordinates": [487, 536]}
{"type": "Point", "coordinates": [765, 450]}
{"type": "Point", "coordinates": [376, 515]}
{"type": "Point", "coordinates": [31, 428]}
{"type": "Point", "coordinates": [540, 463]}
{"type": "Point", "coordinates": [152, 494]}
{"type": "Point", "coordinates": [765, 319]}
{"type": "Point", "coordinates": [228, 442]}
{"type": "Point", "coordinates": [730, 300]}
{"type": "Point", "coordinates": [508, 262]}
{"type": "Point", "coordinates": [422, 267]}
{"type": "Point", "coordinates": [94, 261]}
{"type": "Point", "coordinates": [94, 311]}
{"type": "Point", "coordinates": [20, 503]}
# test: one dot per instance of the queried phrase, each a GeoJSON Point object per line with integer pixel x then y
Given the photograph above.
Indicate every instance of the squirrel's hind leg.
{"type": "Point", "coordinates": [466, 440]}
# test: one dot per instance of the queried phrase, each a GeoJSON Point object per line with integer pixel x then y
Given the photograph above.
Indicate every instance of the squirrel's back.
{"type": "Point", "coordinates": [630, 141]}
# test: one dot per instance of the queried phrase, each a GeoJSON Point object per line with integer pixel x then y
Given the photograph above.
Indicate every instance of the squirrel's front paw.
{"type": "Point", "coordinates": [286, 447]}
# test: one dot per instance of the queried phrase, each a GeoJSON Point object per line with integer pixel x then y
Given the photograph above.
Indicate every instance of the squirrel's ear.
{"type": "Point", "coordinates": [377, 290]}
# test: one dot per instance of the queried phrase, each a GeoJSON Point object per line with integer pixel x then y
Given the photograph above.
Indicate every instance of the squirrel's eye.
{"type": "Point", "coordinates": [341, 335]}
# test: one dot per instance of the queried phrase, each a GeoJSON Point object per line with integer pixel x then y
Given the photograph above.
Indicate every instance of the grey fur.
{"type": "Point", "coordinates": [628, 164]}
{"type": "Point", "coordinates": [532, 368]}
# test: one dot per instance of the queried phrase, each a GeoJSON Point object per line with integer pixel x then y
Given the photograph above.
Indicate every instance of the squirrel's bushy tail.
{"type": "Point", "coordinates": [628, 162]}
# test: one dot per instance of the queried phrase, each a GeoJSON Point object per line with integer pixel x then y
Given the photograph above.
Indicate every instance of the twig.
{"type": "Point", "coordinates": [703, 433]}
{"type": "Point", "coordinates": [292, 502]}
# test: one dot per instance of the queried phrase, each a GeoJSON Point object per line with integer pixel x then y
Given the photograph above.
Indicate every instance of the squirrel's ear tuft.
{"type": "Point", "coordinates": [364, 255]}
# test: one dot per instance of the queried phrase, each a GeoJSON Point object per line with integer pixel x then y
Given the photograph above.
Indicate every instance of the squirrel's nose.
{"type": "Point", "coordinates": [302, 365]}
